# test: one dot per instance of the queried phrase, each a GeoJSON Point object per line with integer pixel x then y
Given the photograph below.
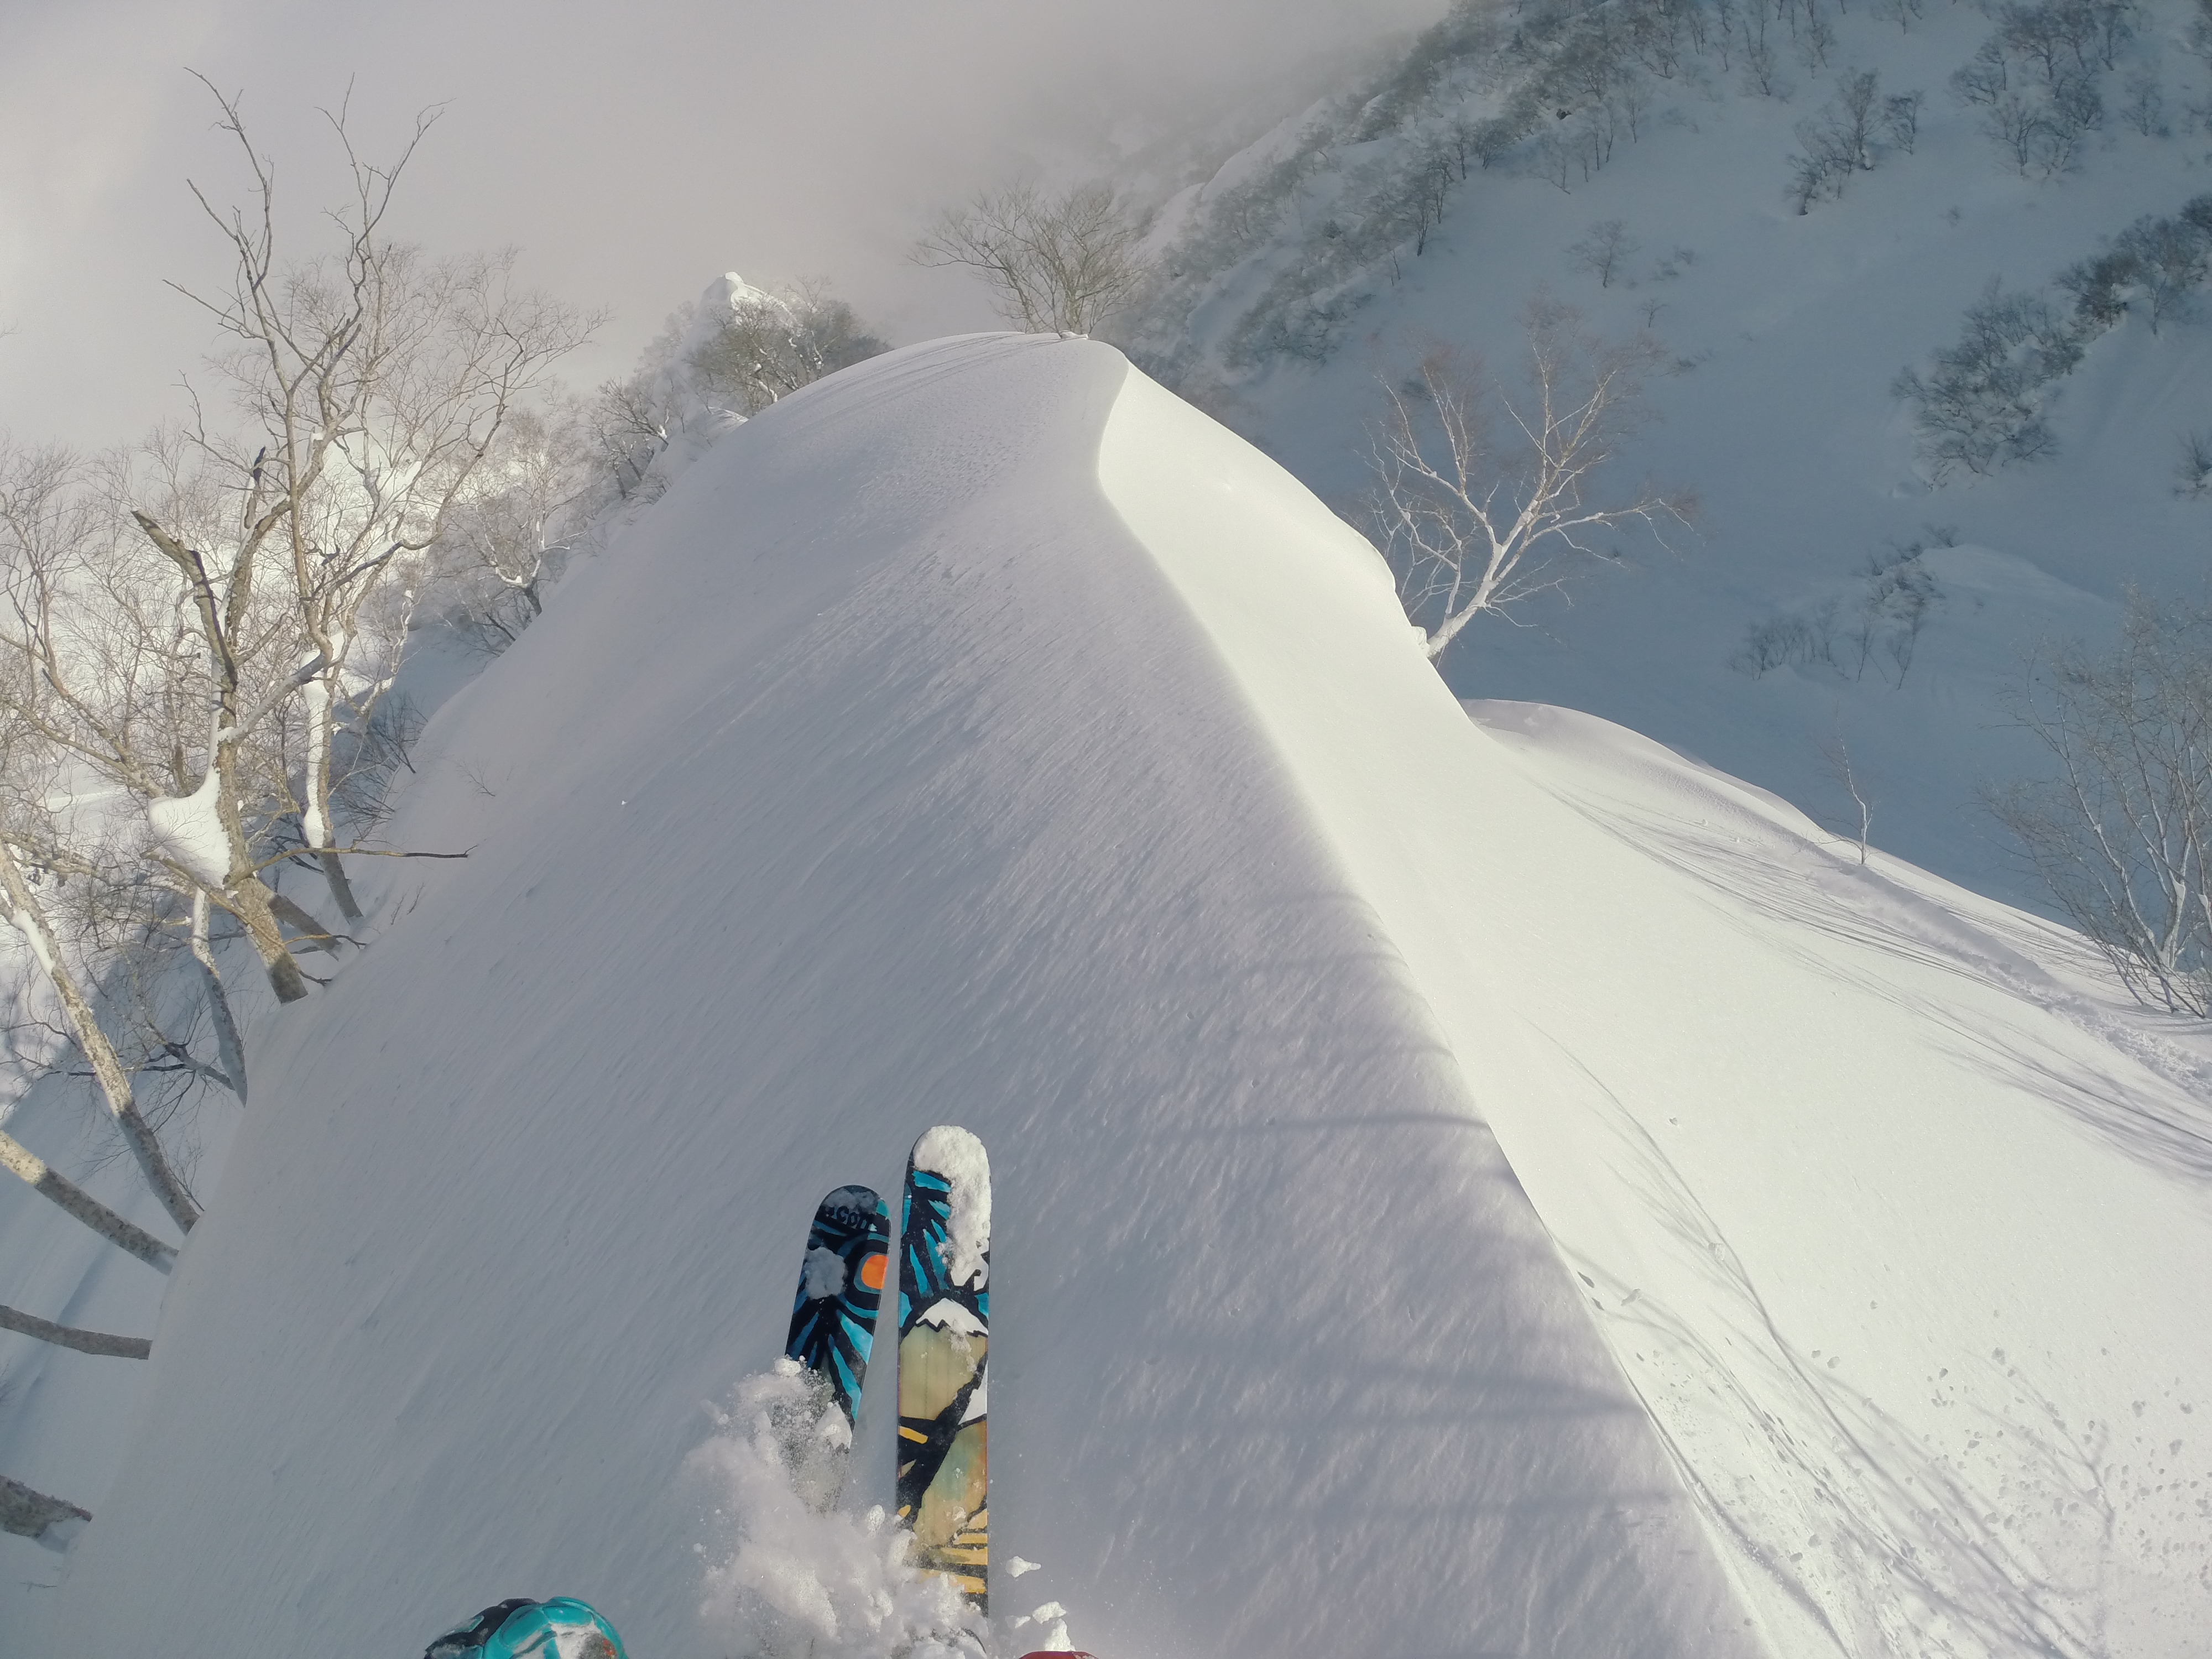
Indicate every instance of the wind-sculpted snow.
{"type": "Point", "coordinates": [1460, 1189]}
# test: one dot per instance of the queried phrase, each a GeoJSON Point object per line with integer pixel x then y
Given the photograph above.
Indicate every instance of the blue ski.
{"type": "Point", "coordinates": [841, 1284]}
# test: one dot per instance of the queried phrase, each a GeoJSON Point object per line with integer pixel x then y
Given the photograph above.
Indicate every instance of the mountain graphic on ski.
{"type": "Point", "coordinates": [841, 1284]}
{"type": "Point", "coordinates": [944, 1333]}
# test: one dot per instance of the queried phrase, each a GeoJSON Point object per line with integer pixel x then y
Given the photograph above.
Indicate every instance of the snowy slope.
{"type": "Point", "coordinates": [884, 782]}
{"type": "Point", "coordinates": [1463, 1188]}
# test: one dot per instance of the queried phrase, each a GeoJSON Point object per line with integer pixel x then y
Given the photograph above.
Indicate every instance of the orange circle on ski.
{"type": "Point", "coordinates": [872, 1270]}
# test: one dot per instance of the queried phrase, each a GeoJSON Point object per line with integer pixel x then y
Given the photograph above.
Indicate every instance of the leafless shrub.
{"type": "Point", "coordinates": [1788, 641]}
{"type": "Point", "coordinates": [1880, 628]}
{"type": "Point", "coordinates": [1603, 253]}
{"type": "Point", "coordinates": [2145, 107]}
{"type": "Point", "coordinates": [1981, 406]}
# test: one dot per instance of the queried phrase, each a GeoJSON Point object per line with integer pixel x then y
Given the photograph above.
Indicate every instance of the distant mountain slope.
{"type": "Point", "coordinates": [1429, 1157]}
{"type": "Point", "coordinates": [1296, 284]}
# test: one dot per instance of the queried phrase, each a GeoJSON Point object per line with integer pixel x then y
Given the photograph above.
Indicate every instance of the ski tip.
{"type": "Point", "coordinates": [1057, 1653]}
{"type": "Point", "coordinates": [953, 1152]}
{"type": "Point", "coordinates": [856, 1202]}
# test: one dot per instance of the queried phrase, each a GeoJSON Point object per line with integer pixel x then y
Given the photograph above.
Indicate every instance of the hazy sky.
{"type": "Point", "coordinates": [631, 152]}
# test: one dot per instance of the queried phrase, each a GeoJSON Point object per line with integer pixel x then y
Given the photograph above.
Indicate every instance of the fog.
{"type": "Point", "coordinates": [631, 153]}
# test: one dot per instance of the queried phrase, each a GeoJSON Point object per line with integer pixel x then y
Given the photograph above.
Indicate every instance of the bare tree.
{"type": "Point", "coordinates": [2170, 260]}
{"type": "Point", "coordinates": [99, 661]}
{"type": "Point", "coordinates": [1054, 264]}
{"type": "Point", "coordinates": [1836, 761]}
{"type": "Point", "coordinates": [39, 528]}
{"type": "Point", "coordinates": [1603, 253]}
{"type": "Point", "coordinates": [628, 424]}
{"type": "Point", "coordinates": [735, 351]}
{"type": "Point", "coordinates": [24, 910]}
{"type": "Point", "coordinates": [773, 343]}
{"type": "Point", "coordinates": [1476, 513]}
{"type": "Point", "coordinates": [1816, 40]}
{"type": "Point", "coordinates": [514, 526]}
{"type": "Point", "coordinates": [1900, 119]}
{"type": "Point", "coordinates": [99, 674]}
{"type": "Point", "coordinates": [2145, 108]}
{"type": "Point", "coordinates": [1857, 111]}
{"type": "Point", "coordinates": [373, 380]}
{"type": "Point", "coordinates": [1981, 406]}
{"type": "Point", "coordinates": [2120, 835]}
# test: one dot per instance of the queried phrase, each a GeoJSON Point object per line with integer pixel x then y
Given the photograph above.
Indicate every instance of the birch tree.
{"type": "Point", "coordinates": [156, 670]}
{"type": "Point", "coordinates": [373, 381]}
{"type": "Point", "coordinates": [92, 695]}
{"type": "Point", "coordinates": [25, 912]}
{"type": "Point", "coordinates": [1485, 497]}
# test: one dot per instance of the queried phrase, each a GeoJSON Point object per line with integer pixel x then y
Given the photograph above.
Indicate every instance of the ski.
{"type": "Point", "coordinates": [945, 1332]}
{"type": "Point", "coordinates": [841, 1284]}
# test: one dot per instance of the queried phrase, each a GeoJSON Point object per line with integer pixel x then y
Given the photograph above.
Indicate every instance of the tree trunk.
{"type": "Point", "coordinates": [315, 822]}
{"type": "Point", "coordinates": [243, 894]}
{"type": "Point", "coordinates": [341, 889]}
{"type": "Point", "coordinates": [313, 933]}
{"type": "Point", "coordinates": [19, 1160]}
{"type": "Point", "coordinates": [228, 1044]}
{"type": "Point", "coordinates": [26, 1513]}
{"type": "Point", "coordinates": [106, 1066]}
{"type": "Point", "coordinates": [249, 903]}
{"type": "Point", "coordinates": [69, 1336]}
{"type": "Point", "coordinates": [243, 891]}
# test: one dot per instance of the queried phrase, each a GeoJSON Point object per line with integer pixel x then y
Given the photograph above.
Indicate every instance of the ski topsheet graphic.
{"type": "Point", "coordinates": [832, 1318]}
{"type": "Point", "coordinates": [945, 1331]}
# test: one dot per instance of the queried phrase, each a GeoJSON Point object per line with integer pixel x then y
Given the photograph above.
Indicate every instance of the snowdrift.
{"type": "Point", "coordinates": [983, 736]}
